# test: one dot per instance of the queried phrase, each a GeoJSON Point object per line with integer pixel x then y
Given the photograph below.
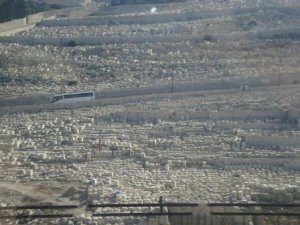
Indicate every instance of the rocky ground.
{"type": "Point", "coordinates": [188, 146]}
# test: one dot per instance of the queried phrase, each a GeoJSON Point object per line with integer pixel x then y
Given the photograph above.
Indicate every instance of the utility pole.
{"type": "Point", "coordinates": [172, 86]}
{"type": "Point", "coordinates": [279, 70]}
{"type": "Point", "coordinates": [172, 77]}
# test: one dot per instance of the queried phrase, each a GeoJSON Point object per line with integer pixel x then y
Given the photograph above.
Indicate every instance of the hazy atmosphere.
{"type": "Point", "coordinates": [124, 102]}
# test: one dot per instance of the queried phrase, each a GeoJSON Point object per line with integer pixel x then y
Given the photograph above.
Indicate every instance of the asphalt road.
{"type": "Point", "coordinates": [136, 91]}
{"type": "Point", "coordinates": [41, 103]}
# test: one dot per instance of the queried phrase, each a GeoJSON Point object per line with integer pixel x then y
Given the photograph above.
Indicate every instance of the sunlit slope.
{"type": "Point", "coordinates": [134, 46]}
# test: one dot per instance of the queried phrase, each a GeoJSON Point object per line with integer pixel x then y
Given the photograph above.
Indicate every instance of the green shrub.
{"type": "Point", "coordinates": [72, 43]}
{"type": "Point", "coordinates": [72, 82]}
{"type": "Point", "coordinates": [208, 38]}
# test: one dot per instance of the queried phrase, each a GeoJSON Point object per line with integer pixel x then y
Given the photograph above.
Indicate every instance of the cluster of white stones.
{"type": "Point", "coordinates": [183, 159]}
{"type": "Point", "coordinates": [138, 161]}
{"type": "Point", "coordinates": [54, 69]}
{"type": "Point", "coordinates": [235, 145]}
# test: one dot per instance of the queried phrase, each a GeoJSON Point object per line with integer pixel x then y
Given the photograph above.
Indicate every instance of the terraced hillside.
{"type": "Point", "coordinates": [126, 47]}
{"type": "Point", "coordinates": [195, 102]}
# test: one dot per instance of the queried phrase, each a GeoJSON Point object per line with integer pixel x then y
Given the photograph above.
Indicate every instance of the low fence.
{"type": "Point", "coordinates": [211, 213]}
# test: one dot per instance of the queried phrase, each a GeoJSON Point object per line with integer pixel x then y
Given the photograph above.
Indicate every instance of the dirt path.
{"type": "Point", "coordinates": [38, 192]}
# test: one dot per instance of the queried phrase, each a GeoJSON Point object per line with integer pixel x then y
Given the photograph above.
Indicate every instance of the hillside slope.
{"type": "Point", "coordinates": [11, 9]}
{"type": "Point", "coordinates": [14, 9]}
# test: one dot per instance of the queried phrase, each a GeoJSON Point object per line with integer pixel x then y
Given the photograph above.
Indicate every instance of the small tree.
{"type": "Point", "coordinates": [208, 38]}
{"type": "Point", "coordinates": [72, 82]}
{"type": "Point", "coordinates": [72, 43]}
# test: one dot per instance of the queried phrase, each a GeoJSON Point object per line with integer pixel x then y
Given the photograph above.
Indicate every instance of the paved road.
{"type": "Point", "coordinates": [125, 92]}
{"type": "Point", "coordinates": [130, 95]}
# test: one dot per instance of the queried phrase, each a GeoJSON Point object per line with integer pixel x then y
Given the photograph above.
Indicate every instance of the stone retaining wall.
{"type": "Point", "coordinates": [34, 18]}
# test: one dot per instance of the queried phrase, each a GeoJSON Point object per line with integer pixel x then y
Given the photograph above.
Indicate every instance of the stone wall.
{"type": "Point", "coordinates": [146, 116]}
{"type": "Point", "coordinates": [137, 8]}
{"type": "Point", "coordinates": [35, 18]}
{"type": "Point", "coordinates": [97, 41]}
{"type": "Point", "coordinates": [137, 19]}
{"type": "Point", "coordinates": [274, 140]}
